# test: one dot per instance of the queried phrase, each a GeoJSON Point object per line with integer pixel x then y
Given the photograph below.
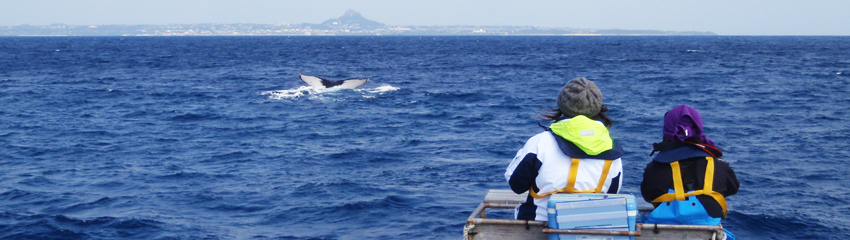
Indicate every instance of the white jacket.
{"type": "Point", "coordinates": [545, 165]}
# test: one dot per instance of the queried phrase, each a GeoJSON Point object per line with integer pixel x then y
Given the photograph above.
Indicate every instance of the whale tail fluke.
{"type": "Point", "coordinates": [321, 83]}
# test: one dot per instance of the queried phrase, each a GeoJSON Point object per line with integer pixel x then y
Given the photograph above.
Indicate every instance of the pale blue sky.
{"type": "Point", "coordinates": [725, 17]}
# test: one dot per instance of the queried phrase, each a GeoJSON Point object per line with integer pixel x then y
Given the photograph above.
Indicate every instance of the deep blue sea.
{"type": "Point", "coordinates": [218, 138]}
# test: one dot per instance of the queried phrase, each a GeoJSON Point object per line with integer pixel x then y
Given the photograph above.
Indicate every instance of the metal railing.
{"type": "Point", "coordinates": [479, 217]}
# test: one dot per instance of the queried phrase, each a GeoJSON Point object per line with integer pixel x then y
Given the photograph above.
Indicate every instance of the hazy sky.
{"type": "Point", "coordinates": [725, 17]}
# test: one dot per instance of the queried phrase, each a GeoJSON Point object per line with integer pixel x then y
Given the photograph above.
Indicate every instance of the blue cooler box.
{"type": "Point", "coordinates": [592, 211]}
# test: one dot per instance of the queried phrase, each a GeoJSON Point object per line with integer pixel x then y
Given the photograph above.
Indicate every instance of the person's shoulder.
{"type": "Point", "coordinates": [654, 164]}
{"type": "Point", "coordinates": [721, 163]}
{"type": "Point", "coordinates": [542, 136]}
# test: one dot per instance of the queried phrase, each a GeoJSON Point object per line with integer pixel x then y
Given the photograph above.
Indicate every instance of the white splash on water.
{"type": "Point", "coordinates": [380, 90]}
{"type": "Point", "coordinates": [311, 93]}
{"type": "Point", "coordinates": [289, 94]}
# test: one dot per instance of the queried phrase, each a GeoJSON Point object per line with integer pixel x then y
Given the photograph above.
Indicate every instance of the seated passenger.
{"type": "Point", "coordinates": [575, 154]}
{"type": "Point", "coordinates": [675, 180]}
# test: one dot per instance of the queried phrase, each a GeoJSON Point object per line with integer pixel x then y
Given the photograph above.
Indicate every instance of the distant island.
{"type": "Point", "coordinates": [349, 24]}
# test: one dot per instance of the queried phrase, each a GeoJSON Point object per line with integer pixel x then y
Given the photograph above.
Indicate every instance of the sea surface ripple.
{"type": "Point", "coordinates": [217, 138]}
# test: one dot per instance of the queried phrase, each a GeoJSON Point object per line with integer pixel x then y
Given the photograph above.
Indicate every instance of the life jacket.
{"type": "Point", "coordinates": [571, 181]}
{"type": "Point", "coordinates": [576, 129]}
{"type": "Point", "coordinates": [689, 212]}
{"type": "Point", "coordinates": [544, 162]}
{"type": "Point", "coordinates": [678, 192]}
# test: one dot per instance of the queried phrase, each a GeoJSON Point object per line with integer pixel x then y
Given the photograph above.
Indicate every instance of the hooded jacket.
{"type": "Point", "coordinates": [543, 164]}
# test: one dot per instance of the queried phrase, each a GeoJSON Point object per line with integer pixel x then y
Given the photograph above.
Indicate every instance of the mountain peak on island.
{"type": "Point", "coordinates": [351, 20]}
{"type": "Point", "coordinates": [351, 14]}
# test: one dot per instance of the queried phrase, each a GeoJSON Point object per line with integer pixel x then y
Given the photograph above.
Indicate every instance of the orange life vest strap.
{"type": "Point", "coordinates": [605, 169]}
{"type": "Point", "coordinates": [571, 181]}
{"type": "Point", "coordinates": [679, 192]}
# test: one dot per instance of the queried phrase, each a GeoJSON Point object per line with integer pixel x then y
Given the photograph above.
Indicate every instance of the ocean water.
{"type": "Point", "coordinates": [217, 138]}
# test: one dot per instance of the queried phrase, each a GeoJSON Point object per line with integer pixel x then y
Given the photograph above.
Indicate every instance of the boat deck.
{"type": "Point", "coordinates": [479, 227]}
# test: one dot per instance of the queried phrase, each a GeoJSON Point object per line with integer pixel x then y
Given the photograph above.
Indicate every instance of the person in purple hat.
{"type": "Point", "coordinates": [675, 180]}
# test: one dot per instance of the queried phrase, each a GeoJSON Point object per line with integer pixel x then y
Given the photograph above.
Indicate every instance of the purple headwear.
{"type": "Point", "coordinates": [683, 122]}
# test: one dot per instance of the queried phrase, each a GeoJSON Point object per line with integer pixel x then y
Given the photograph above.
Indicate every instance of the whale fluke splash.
{"type": "Point", "coordinates": [321, 83]}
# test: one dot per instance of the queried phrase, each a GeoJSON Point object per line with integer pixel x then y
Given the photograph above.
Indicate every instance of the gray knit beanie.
{"type": "Point", "coordinates": [580, 97]}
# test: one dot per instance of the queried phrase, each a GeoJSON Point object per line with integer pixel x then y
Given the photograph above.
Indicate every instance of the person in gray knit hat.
{"type": "Point", "coordinates": [574, 154]}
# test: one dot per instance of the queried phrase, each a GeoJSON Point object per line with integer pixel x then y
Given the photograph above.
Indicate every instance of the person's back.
{"type": "Point", "coordinates": [675, 180]}
{"type": "Point", "coordinates": [575, 154]}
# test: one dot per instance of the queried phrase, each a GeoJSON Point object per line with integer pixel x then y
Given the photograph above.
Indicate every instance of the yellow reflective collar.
{"type": "Point", "coordinates": [679, 192]}
{"type": "Point", "coordinates": [590, 136]}
{"type": "Point", "coordinates": [571, 181]}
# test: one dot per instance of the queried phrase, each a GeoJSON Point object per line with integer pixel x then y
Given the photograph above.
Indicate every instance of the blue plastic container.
{"type": "Point", "coordinates": [592, 211]}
